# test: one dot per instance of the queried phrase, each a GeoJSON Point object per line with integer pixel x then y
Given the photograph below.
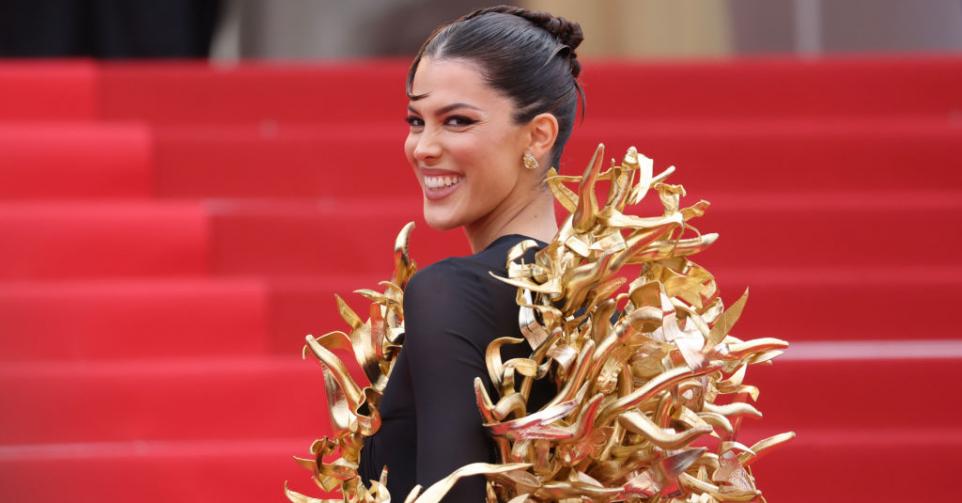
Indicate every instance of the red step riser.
{"type": "Point", "coordinates": [196, 93]}
{"type": "Point", "coordinates": [307, 240]}
{"type": "Point", "coordinates": [769, 156]}
{"type": "Point", "coordinates": [137, 319]}
{"type": "Point", "coordinates": [857, 394]}
{"type": "Point", "coordinates": [63, 240]}
{"type": "Point", "coordinates": [97, 240]}
{"type": "Point", "coordinates": [820, 206]}
{"type": "Point", "coordinates": [745, 88]}
{"type": "Point", "coordinates": [817, 310]}
{"type": "Point", "coordinates": [45, 90]}
{"type": "Point", "coordinates": [198, 399]}
{"type": "Point", "coordinates": [171, 400]}
{"type": "Point", "coordinates": [343, 161]}
{"type": "Point", "coordinates": [361, 161]}
{"type": "Point", "coordinates": [146, 319]}
{"type": "Point", "coordinates": [345, 239]}
{"type": "Point", "coordinates": [237, 472]}
{"type": "Point", "coordinates": [834, 467]}
{"type": "Point", "coordinates": [742, 88]}
{"type": "Point", "coordinates": [838, 310]}
{"type": "Point", "coordinates": [836, 237]}
{"type": "Point", "coordinates": [830, 87]}
{"type": "Point", "coordinates": [75, 160]}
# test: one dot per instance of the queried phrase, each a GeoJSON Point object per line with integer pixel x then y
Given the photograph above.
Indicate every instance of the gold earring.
{"type": "Point", "coordinates": [529, 161]}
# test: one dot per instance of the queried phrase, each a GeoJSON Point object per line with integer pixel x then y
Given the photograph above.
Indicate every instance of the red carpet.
{"type": "Point", "coordinates": [169, 233]}
{"type": "Point", "coordinates": [75, 160]}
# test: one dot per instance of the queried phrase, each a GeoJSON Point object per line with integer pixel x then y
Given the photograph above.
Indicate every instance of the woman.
{"type": "Point", "coordinates": [492, 101]}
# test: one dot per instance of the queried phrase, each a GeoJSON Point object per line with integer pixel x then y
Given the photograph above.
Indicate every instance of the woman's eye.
{"type": "Point", "coordinates": [414, 121]}
{"type": "Point", "coordinates": [459, 120]}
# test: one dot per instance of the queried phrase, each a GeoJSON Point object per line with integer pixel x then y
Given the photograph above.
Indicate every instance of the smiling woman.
{"type": "Point", "coordinates": [540, 362]}
{"type": "Point", "coordinates": [492, 100]}
{"type": "Point", "coordinates": [467, 150]}
{"type": "Point", "coordinates": [489, 94]}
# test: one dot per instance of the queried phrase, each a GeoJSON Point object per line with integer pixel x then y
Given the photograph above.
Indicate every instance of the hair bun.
{"type": "Point", "coordinates": [568, 33]}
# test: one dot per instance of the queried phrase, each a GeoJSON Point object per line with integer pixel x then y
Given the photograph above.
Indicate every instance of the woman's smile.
{"type": "Point", "coordinates": [463, 144]}
{"type": "Point", "coordinates": [439, 186]}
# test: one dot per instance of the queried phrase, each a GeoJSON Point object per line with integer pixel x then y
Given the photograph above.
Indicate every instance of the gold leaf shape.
{"type": "Point", "coordinates": [636, 360]}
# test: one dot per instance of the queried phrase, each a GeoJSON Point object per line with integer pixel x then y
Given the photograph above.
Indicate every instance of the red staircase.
{"type": "Point", "coordinates": [169, 233]}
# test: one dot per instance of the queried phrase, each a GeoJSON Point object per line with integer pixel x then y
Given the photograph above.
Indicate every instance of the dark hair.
{"type": "Point", "coordinates": [529, 56]}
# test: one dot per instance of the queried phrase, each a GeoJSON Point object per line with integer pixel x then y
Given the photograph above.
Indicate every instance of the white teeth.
{"type": "Point", "coordinates": [437, 182]}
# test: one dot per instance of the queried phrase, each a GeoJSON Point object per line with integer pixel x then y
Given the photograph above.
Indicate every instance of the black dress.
{"type": "Point", "coordinates": [431, 425]}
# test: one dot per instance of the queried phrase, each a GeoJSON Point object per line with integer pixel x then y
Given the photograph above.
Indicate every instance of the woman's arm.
{"type": "Point", "coordinates": [448, 321]}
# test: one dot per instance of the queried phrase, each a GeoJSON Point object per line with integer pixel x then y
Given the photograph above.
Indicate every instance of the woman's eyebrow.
{"type": "Point", "coordinates": [448, 108]}
{"type": "Point", "coordinates": [454, 106]}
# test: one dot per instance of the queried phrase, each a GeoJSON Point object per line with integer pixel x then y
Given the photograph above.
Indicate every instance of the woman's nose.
{"type": "Point", "coordinates": [428, 146]}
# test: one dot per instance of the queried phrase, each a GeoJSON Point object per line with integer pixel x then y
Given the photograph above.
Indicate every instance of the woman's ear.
{"type": "Point", "coordinates": [543, 130]}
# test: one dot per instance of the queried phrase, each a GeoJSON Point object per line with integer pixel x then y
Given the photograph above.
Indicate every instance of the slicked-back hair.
{"type": "Point", "coordinates": [527, 56]}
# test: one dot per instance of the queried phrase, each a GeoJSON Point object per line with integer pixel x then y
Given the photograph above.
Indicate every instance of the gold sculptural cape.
{"type": "Point", "coordinates": [650, 381]}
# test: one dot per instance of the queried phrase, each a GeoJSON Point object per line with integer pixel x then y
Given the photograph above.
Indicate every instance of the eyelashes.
{"type": "Point", "coordinates": [453, 120]}
{"type": "Point", "coordinates": [459, 120]}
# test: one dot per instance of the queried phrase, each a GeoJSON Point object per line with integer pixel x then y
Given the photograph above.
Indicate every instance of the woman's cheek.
{"type": "Point", "coordinates": [409, 143]}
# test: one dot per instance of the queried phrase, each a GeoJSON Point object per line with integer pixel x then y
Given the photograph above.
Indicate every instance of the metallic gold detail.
{"type": "Point", "coordinates": [638, 360]}
{"type": "Point", "coordinates": [529, 161]}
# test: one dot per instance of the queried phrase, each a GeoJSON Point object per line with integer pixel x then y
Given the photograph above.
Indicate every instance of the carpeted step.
{"type": "Point", "coordinates": [304, 162]}
{"type": "Point", "coordinates": [794, 304]}
{"type": "Point", "coordinates": [48, 89]}
{"type": "Point", "coordinates": [238, 470]}
{"type": "Point", "coordinates": [842, 86]}
{"type": "Point", "coordinates": [836, 229]}
{"type": "Point", "coordinates": [860, 386]}
{"type": "Point", "coordinates": [328, 237]}
{"type": "Point", "coordinates": [825, 304]}
{"type": "Point", "coordinates": [252, 93]}
{"type": "Point", "coordinates": [767, 230]}
{"type": "Point", "coordinates": [220, 398]}
{"type": "Point", "coordinates": [154, 318]}
{"type": "Point", "coordinates": [61, 240]}
{"type": "Point", "coordinates": [374, 90]}
{"type": "Point", "coordinates": [832, 466]}
{"type": "Point", "coordinates": [162, 399]}
{"type": "Point", "coordinates": [75, 160]}
{"type": "Point", "coordinates": [861, 464]}
{"type": "Point", "coordinates": [368, 160]}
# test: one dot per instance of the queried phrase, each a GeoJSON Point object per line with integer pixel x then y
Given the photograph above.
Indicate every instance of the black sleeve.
{"type": "Point", "coordinates": [449, 321]}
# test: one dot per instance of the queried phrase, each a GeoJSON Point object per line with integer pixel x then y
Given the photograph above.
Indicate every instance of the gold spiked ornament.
{"type": "Point", "coordinates": [639, 362]}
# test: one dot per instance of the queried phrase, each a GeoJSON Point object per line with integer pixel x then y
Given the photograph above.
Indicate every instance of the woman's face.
{"type": "Point", "coordinates": [463, 143]}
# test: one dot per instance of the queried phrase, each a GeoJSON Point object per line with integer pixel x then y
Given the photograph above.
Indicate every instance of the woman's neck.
{"type": "Point", "coordinates": [533, 218]}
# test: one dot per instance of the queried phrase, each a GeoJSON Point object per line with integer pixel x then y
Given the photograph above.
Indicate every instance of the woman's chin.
{"type": "Point", "coordinates": [440, 223]}
{"type": "Point", "coordinates": [440, 220]}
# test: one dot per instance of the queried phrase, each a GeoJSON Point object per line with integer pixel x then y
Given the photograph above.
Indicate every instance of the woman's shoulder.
{"type": "Point", "coordinates": [456, 279]}
{"type": "Point", "coordinates": [448, 276]}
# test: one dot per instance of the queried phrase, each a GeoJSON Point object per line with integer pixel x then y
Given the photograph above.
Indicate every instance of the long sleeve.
{"type": "Point", "coordinates": [449, 320]}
